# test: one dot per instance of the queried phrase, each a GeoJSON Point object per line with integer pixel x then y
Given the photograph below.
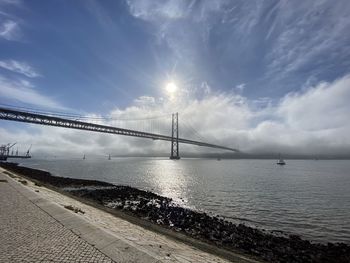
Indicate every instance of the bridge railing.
{"type": "Point", "coordinates": [29, 117]}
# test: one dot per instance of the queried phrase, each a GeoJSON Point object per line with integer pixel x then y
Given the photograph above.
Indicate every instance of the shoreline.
{"type": "Point", "coordinates": [209, 233]}
{"type": "Point", "coordinates": [115, 237]}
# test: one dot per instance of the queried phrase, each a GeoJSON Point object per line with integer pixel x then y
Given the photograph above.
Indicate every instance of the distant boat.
{"type": "Point", "coordinates": [281, 161]}
{"type": "Point", "coordinates": [219, 159]}
{"type": "Point", "coordinates": [109, 157]}
{"type": "Point", "coordinates": [84, 157]}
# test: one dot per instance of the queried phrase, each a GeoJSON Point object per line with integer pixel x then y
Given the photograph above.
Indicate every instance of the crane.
{"type": "Point", "coordinates": [5, 152]}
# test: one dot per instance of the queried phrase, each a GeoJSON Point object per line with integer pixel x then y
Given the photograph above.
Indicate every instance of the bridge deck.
{"type": "Point", "coordinates": [29, 117]}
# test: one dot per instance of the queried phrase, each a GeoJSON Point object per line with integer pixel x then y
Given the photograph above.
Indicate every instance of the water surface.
{"type": "Point", "coordinates": [305, 197]}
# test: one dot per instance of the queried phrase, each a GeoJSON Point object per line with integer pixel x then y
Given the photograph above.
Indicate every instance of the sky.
{"type": "Point", "coordinates": [262, 76]}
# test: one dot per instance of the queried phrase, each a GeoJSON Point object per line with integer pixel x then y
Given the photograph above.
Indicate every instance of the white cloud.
{"type": "Point", "coordinates": [314, 121]}
{"type": "Point", "coordinates": [10, 30]}
{"type": "Point", "coordinates": [172, 10]}
{"type": "Point", "coordinates": [19, 67]}
{"type": "Point", "coordinates": [145, 101]}
{"type": "Point", "coordinates": [10, 2]}
{"type": "Point", "coordinates": [241, 87]}
{"type": "Point", "coordinates": [304, 32]}
{"type": "Point", "coordinates": [153, 10]}
{"type": "Point", "coordinates": [183, 26]}
{"type": "Point", "coordinates": [325, 106]}
{"type": "Point", "coordinates": [23, 91]}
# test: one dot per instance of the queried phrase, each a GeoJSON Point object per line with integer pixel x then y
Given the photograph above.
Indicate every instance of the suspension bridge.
{"type": "Point", "coordinates": [76, 122]}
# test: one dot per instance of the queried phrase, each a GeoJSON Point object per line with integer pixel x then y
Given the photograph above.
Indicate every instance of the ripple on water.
{"type": "Point", "coordinates": [304, 197]}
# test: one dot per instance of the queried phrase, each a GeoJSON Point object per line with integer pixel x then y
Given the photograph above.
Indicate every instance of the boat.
{"type": "Point", "coordinates": [281, 161]}
{"type": "Point", "coordinates": [84, 157]}
{"type": "Point", "coordinates": [109, 157]}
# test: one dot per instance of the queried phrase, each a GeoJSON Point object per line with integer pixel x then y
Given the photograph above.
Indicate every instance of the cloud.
{"type": "Point", "coordinates": [182, 29]}
{"type": "Point", "coordinates": [10, 30]}
{"type": "Point", "coordinates": [172, 10]}
{"type": "Point", "coordinates": [313, 121]}
{"type": "Point", "coordinates": [323, 107]}
{"type": "Point", "coordinates": [307, 34]}
{"type": "Point", "coordinates": [19, 67]}
{"type": "Point", "coordinates": [274, 45]}
{"type": "Point", "coordinates": [10, 2]}
{"type": "Point", "coordinates": [6, 3]}
{"type": "Point", "coordinates": [23, 91]}
{"type": "Point", "coordinates": [240, 87]}
{"type": "Point", "coordinates": [154, 10]}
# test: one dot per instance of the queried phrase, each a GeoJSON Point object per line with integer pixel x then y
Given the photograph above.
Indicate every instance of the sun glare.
{"type": "Point", "coordinates": [171, 87]}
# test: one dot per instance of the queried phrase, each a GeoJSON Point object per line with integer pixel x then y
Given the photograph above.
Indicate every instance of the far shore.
{"type": "Point", "coordinates": [210, 233]}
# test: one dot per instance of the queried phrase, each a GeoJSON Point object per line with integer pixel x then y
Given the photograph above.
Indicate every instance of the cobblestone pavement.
{"type": "Point", "coordinates": [28, 234]}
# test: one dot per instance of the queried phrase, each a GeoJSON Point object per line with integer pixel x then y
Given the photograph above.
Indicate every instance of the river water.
{"type": "Point", "coordinates": [306, 197]}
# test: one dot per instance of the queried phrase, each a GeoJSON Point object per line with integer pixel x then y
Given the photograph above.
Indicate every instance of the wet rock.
{"type": "Point", "coordinates": [272, 247]}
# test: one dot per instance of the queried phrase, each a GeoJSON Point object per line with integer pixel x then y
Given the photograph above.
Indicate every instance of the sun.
{"type": "Point", "coordinates": [171, 87]}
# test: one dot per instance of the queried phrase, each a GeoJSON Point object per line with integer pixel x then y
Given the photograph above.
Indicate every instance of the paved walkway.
{"type": "Point", "coordinates": [34, 227]}
{"type": "Point", "coordinates": [28, 234]}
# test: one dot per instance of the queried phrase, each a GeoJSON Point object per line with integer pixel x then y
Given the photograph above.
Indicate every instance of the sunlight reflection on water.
{"type": "Point", "coordinates": [168, 177]}
{"type": "Point", "coordinates": [306, 197]}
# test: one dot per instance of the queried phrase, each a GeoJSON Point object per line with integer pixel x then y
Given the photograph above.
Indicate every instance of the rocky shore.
{"type": "Point", "coordinates": [212, 229]}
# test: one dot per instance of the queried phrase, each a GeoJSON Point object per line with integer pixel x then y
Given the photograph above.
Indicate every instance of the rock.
{"type": "Point", "coordinates": [162, 211]}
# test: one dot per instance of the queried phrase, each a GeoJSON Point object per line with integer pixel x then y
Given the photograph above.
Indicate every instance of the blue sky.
{"type": "Point", "coordinates": [103, 57]}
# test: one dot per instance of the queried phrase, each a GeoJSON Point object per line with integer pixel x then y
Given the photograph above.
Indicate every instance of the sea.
{"type": "Point", "coordinates": [310, 198]}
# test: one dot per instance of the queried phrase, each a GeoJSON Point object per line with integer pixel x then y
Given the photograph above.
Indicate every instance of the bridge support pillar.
{"type": "Point", "coordinates": [174, 154]}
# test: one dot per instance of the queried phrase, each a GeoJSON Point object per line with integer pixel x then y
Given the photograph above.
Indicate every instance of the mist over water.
{"type": "Point", "coordinates": [306, 197]}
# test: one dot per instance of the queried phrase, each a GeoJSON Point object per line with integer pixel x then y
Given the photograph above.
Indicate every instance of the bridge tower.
{"type": "Point", "coordinates": [174, 154]}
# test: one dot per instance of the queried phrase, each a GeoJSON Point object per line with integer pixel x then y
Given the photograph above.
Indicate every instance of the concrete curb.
{"type": "Point", "coordinates": [113, 246]}
{"type": "Point", "coordinates": [108, 244]}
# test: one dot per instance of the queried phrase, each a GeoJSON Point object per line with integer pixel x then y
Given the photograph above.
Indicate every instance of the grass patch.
{"type": "Point", "coordinates": [37, 184]}
{"type": "Point", "coordinates": [3, 181]}
{"type": "Point", "coordinates": [74, 209]}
